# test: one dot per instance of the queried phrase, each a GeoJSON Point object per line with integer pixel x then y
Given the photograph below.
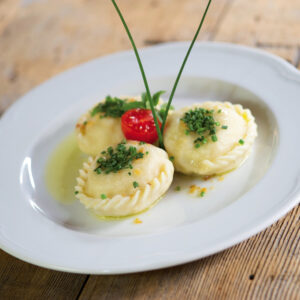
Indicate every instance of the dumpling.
{"type": "Point", "coordinates": [124, 180]}
{"type": "Point", "coordinates": [100, 127]}
{"type": "Point", "coordinates": [95, 132]}
{"type": "Point", "coordinates": [209, 138]}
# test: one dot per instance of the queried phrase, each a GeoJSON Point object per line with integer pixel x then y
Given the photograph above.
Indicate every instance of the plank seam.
{"type": "Point", "coordinates": [82, 287]}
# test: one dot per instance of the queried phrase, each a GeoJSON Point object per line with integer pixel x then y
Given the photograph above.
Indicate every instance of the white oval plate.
{"type": "Point", "coordinates": [36, 228]}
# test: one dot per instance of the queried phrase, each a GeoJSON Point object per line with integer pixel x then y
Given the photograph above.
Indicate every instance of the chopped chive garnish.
{"type": "Point", "coordinates": [116, 107]}
{"type": "Point", "coordinates": [111, 107]}
{"type": "Point", "coordinates": [202, 194]}
{"type": "Point", "coordinates": [201, 122]}
{"type": "Point", "coordinates": [224, 127]}
{"type": "Point", "coordinates": [129, 173]}
{"type": "Point", "coordinates": [103, 196]}
{"type": "Point", "coordinates": [142, 143]}
{"type": "Point", "coordinates": [171, 158]}
{"type": "Point", "coordinates": [114, 160]}
{"type": "Point", "coordinates": [85, 122]}
{"type": "Point", "coordinates": [219, 111]}
{"type": "Point", "coordinates": [76, 192]}
{"type": "Point", "coordinates": [147, 152]}
{"type": "Point", "coordinates": [135, 184]}
{"type": "Point", "coordinates": [177, 188]}
{"type": "Point", "coordinates": [241, 142]}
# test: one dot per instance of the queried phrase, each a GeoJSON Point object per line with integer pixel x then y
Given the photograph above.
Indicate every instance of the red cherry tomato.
{"type": "Point", "coordinates": [138, 124]}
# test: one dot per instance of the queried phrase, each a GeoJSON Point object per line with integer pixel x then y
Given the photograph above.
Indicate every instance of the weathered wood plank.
{"type": "Point", "coordinates": [264, 267]}
{"type": "Point", "coordinates": [271, 25]}
{"type": "Point", "coordinates": [19, 280]}
{"type": "Point", "coordinates": [8, 10]}
{"type": "Point", "coordinates": [260, 21]}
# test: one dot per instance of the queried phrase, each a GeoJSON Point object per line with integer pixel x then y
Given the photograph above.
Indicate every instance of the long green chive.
{"type": "Point", "coordinates": [159, 132]}
{"type": "Point", "coordinates": [182, 67]}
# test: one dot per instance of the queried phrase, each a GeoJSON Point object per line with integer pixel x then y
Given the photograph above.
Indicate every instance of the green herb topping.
{"type": "Point", "coordinates": [241, 142]}
{"type": "Point", "coordinates": [76, 192]}
{"type": "Point", "coordinates": [202, 194]}
{"type": "Point", "coordinates": [177, 188]}
{"type": "Point", "coordinates": [116, 107]}
{"type": "Point", "coordinates": [135, 184]}
{"type": "Point", "coordinates": [171, 158]}
{"type": "Point", "coordinates": [103, 196]}
{"type": "Point", "coordinates": [114, 160]}
{"type": "Point", "coordinates": [201, 122]}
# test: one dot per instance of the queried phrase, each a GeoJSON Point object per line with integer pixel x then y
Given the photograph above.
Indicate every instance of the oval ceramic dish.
{"type": "Point", "coordinates": [180, 228]}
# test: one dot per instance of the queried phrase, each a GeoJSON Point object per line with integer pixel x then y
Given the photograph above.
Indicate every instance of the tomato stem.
{"type": "Point", "coordinates": [159, 132]}
{"type": "Point", "coordinates": [182, 67]}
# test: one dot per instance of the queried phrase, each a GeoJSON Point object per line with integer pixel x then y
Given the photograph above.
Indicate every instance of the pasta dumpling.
{"type": "Point", "coordinates": [218, 143]}
{"type": "Point", "coordinates": [100, 127]}
{"type": "Point", "coordinates": [124, 180]}
{"type": "Point", "coordinates": [97, 129]}
{"type": "Point", "coordinates": [95, 134]}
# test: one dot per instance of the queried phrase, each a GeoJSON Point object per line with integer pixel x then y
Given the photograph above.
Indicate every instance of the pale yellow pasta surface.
{"type": "Point", "coordinates": [214, 157]}
{"type": "Point", "coordinates": [153, 173]}
{"type": "Point", "coordinates": [95, 134]}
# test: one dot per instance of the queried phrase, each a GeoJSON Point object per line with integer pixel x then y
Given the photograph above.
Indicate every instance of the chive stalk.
{"type": "Point", "coordinates": [159, 132]}
{"type": "Point", "coordinates": [182, 67]}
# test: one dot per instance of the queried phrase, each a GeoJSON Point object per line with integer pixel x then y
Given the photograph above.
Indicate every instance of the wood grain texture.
{"type": "Point", "coordinates": [19, 280]}
{"type": "Point", "coordinates": [271, 25]}
{"type": "Point", "coordinates": [39, 39]}
{"type": "Point", "coordinates": [8, 10]}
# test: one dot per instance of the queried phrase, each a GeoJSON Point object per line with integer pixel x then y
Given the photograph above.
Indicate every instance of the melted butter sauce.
{"type": "Point", "coordinates": [62, 170]}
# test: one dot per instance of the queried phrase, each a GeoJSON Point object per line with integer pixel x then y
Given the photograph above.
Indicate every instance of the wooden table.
{"type": "Point", "coordinates": [39, 39]}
